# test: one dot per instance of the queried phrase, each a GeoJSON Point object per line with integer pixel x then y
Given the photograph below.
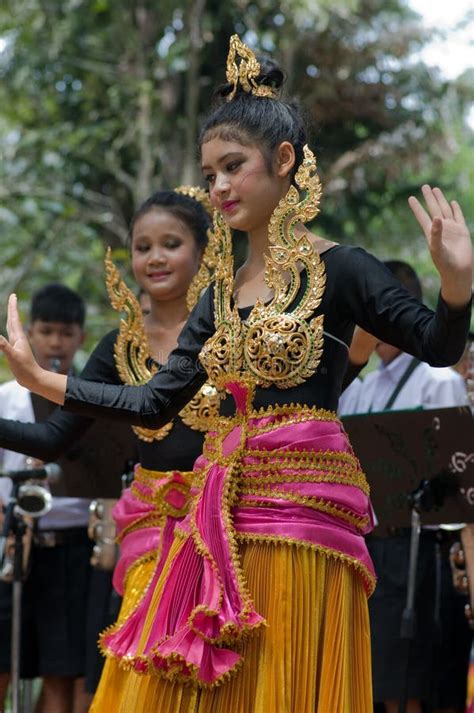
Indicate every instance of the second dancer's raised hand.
{"type": "Point", "coordinates": [449, 243]}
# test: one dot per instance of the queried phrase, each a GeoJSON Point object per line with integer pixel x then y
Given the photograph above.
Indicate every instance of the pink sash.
{"type": "Point", "coordinates": [287, 474]}
{"type": "Point", "coordinates": [146, 515]}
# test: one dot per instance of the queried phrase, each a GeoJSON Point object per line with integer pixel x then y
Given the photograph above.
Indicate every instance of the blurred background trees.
{"type": "Point", "coordinates": [101, 100]}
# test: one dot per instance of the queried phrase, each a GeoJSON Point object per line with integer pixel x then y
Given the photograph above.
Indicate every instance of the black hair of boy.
{"type": "Point", "coordinates": [57, 303]}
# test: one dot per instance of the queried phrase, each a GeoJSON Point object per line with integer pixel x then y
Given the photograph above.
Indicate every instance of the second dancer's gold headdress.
{"type": "Point", "coordinates": [198, 194]}
{"type": "Point", "coordinates": [246, 71]}
{"type": "Point", "coordinates": [204, 275]}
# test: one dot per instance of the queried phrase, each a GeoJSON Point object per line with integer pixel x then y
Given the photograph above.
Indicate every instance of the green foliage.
{"type": "Point", "coordinates": [100, 104]}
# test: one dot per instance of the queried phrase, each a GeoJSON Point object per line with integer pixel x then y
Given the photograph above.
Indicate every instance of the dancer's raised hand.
{"type": "Point", "coordinates": [449, 243]}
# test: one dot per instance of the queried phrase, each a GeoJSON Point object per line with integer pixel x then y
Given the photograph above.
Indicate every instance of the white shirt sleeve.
{"type": "Point", "coordinates": [348, 401]}
{"type": "Point", "coordinates": [15, 403]}
{"type": "Point", "coordinates": [444, 390]}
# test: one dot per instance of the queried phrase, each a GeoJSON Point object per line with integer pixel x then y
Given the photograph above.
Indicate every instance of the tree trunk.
{"type": "Point", "coordinates": [189, 174]}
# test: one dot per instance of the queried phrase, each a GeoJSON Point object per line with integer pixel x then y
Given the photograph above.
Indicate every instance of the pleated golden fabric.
{"type": "Point", "coordinates": [313, 657]}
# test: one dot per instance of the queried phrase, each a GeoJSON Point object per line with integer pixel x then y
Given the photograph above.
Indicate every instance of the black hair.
{"type": "Point", "coordinates": [183, 207]}
{"type": "Point", "coordinates": [407, 276]}
{"type": "Point", "coordinates": [262, 121]}
{"type": "Point", "coordinates": [57, 303]}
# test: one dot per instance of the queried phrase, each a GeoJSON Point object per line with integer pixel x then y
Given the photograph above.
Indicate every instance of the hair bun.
{"type": "Point", "coordinates": [271, 75]}
{"type": "Point", "coordinates": [221, 92]}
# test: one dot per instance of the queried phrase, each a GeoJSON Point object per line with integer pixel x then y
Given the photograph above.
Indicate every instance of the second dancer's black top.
{"type": "Point", "coordinates": [48, 440]}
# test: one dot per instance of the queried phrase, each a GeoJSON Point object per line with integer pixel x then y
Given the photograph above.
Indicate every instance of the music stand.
{"type": "Point", "coordinates": [432, 449]}
{"type": "Point", "coordinates": [400, 449]}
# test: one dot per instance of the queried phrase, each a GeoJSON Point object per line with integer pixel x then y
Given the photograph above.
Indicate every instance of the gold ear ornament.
{"type": "Point", "coordinates": [131, 350]}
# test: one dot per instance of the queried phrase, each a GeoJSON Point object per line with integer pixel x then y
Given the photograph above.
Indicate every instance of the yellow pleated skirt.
{"type": "Point", "coordinates": [313, 657]}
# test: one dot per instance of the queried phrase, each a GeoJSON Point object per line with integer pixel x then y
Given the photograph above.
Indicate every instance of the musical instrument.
{"type": "Point", "coordinates": [102, 530]}
{"type": "Point", "coordinates": [461, 558]}
{"type": "Point", "coordinates": [461, 555]}
{"type": "Point", "coordinates": [33, 500]}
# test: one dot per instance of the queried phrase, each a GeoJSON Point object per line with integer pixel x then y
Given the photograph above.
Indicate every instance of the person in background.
{"type": "Point", "coordinates": [465, 366]}
{"type": "Point", "coordinates": [349, 397]}
{"type": "Point", "coordinates": [63, 595]}
{"type": "Point", "coordinates": [55, 592]}
{"type": "Point", "coordinates": [403, 382]}
{"type": "Point", "coordinates": [168, 239]}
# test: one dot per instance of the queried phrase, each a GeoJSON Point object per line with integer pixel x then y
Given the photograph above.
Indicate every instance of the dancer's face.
{"type": "Point", "coordinates": [242, 186]}
{"type": "Point", "coordinates": [165, 255]}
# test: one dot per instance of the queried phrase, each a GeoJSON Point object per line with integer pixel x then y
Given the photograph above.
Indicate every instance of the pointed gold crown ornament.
{"type": "Point", "coordinates": [198, 194]}
{"type": "Point", "coordinates": [280, 343]}
{"type": "Point", "coordinates": [246, 72]}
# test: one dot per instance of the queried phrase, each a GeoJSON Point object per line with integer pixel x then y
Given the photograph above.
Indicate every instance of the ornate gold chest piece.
{"type": "Point", "coordinates": [279, 343]}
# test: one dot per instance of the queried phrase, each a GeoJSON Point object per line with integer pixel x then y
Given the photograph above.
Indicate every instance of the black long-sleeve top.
{"type": "Point", "coordinates": [48, 440]}
{"type": "Point", "coordinates": [359, 290]}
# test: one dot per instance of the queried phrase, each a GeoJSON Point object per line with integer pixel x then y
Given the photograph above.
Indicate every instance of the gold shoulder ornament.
{"type": "Point", "coordinates": [279, 343]}
{"type": "Point", "coordinates": [131, 350]}
{"type": "Point", "coordinates": [136, 366]}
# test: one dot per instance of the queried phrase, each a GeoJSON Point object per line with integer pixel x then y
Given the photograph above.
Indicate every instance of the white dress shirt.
{"type": "Point", "coordinates": [428, 387]}
{"type": "Point", "coordinates": [349, 398]}
{"type": "Point", "coordinates": [15, 404]}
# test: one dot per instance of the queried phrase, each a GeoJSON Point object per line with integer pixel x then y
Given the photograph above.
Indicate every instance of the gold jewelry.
{"type": "Point", "coordinates": [246, 72]}
{"type": "Point", "coordinates": [136, 366]}
{"type": "Point", "coordinates": [131, 349]}
{"type": "Point", "coordinates": [198, 194]}
{"type": "Point", "coordinates": [203, 277]}
{"type": "Point", "coordinates": [275, 345]}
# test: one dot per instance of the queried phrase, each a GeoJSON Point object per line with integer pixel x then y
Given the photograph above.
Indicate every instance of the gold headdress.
{"type": "Point", "coordinates": [204, 275]}
{"type": "Point", "coordinates": [246, 72]}
{"type": "Point", "coordinates": [199, 194]}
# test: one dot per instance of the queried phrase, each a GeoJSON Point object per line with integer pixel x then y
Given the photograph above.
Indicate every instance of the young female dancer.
{"type": "Point", "coordinates": [168, 237]}
{"type": "Point", "coordinates": [261, 604]}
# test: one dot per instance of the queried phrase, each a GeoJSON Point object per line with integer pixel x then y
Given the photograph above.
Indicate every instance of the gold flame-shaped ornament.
{"type": "Point", "coordinates": [280, 343]}
{"type": "Point", "coordinates": [243, 69]}
{"type": "Point", "coordinates": [205, 274]}
{"type": "Point", "coordinates": [136, 366]}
